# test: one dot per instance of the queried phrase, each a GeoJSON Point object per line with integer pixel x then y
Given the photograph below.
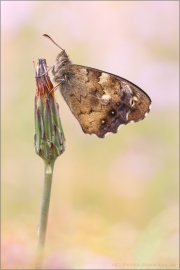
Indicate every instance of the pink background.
{"type": "Point", "coordinates": [114, 201]}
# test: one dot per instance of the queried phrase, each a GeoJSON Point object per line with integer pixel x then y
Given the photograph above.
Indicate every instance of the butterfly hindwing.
{"type": "Point", "coordinates": [101, 101]}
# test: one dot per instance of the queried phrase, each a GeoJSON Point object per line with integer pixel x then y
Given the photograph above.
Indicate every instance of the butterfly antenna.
{"type": "Point", "coordinates": [53, 41]}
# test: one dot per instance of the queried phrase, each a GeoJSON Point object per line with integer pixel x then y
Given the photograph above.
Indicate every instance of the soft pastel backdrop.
{"type": "Point", "coordinates": [114, 201]}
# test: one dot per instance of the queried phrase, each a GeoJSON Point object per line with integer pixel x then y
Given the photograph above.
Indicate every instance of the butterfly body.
{"type": "Point", "coordinates": [100, 101]}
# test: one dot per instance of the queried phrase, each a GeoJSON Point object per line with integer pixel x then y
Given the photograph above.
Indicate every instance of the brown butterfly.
{"type": "Point", "coordinates": [100, 101]}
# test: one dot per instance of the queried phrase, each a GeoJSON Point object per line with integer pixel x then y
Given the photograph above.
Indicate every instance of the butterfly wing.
{"type": "Point", "coordinates": [101, 101]}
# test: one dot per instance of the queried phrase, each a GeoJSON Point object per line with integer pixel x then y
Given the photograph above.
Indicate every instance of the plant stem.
{"type": "Point", "coordinates": [49, 165]}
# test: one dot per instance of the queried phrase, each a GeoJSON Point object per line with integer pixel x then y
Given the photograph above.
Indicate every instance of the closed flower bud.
{"type": "Point", "coordinates": [49, 136]}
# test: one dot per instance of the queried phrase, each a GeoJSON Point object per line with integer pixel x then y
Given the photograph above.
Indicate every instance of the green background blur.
{"type": "Point", "coordinates": [114, 201]}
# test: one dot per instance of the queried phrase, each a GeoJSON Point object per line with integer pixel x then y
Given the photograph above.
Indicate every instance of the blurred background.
{"type": "Point", "coordinates": [114, 201]}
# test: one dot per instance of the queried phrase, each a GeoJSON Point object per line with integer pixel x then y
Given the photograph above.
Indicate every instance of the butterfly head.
{"type": "Point", "coordinates": [62, 61]}
{"type": "Point", "coordinates": [62, 58]}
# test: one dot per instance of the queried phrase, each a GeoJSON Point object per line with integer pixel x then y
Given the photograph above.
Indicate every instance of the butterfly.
{"type": "Point", "coordinates": [99, 100]}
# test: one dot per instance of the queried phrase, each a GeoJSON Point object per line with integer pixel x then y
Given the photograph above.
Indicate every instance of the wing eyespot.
{"type": "Point", "coordinates": [103, 121]}
{"type": "Point", "coordinates": [112, 112]}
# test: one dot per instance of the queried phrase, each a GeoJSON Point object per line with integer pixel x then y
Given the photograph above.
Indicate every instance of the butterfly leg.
{"type": "Point", "coordinates": [54, 72]}
{"type": "Point", "coordinates": [44, 73]}
{"type": "Point", "coordinates": [55, 88]}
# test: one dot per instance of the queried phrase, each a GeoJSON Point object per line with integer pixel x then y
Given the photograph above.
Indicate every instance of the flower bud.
{"type": "Point", "coordinates": [49, 137]}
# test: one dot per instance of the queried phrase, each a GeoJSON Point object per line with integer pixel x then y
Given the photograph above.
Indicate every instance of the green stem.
{"type": "Point", "coordinates": [49, 165]}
